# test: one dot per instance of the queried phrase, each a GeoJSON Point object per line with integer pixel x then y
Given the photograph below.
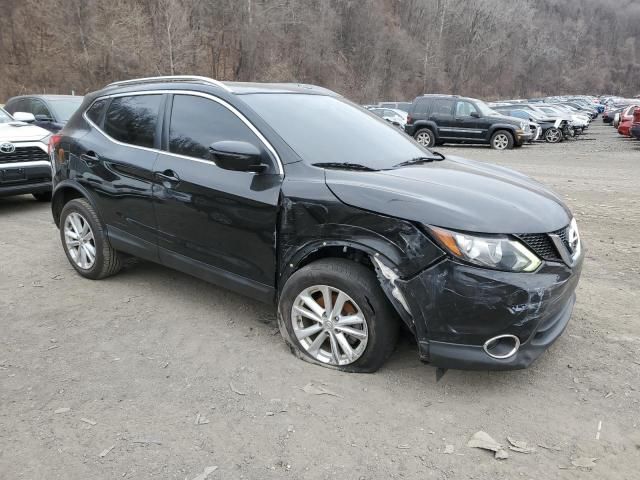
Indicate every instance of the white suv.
{"type": "Point", "coordinates": [24, 160]}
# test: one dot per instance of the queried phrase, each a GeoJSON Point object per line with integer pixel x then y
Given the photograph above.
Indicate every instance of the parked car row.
{"type": "Point", "coordinates": [624, 115]}
{"type": "Point", "coordinates": [434, 119]}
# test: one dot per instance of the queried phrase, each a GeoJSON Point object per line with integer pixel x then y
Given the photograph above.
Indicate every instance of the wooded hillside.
{"type": "Point", "coordinates": [366, 49]}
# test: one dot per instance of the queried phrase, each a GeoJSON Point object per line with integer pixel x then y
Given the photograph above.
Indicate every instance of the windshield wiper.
{"type": "Point", "coordinates": [346, 166]}
{"type": "Point", "coordinates": [437, 157]}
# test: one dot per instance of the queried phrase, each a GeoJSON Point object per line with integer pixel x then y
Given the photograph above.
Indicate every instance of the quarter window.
{"type": "Point", "coordinates": [421, 107]}
{"type": "Point", "coordinates": [96, 110]}
{"type": "Point", "coordinates": [197, 122]}
{"type": "Point", "coordinates": [133, 119]}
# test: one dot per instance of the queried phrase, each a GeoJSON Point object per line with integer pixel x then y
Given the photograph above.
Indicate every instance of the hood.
{"type": "Point", "coordinates": [454, 193]}
{"type": "Point", "coordinates": [517, 121]}
{"type": "Point", "coordinates": [21, 132]}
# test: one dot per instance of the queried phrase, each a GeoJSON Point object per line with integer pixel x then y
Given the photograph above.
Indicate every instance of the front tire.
{"type": "Point", "coordinates": [358, 331]}
{"type": "Point", "coordinates": [85, 242]}
{"type": "Point", "coordinates": [502, 140]}
{"type": "Point", "coordinates": [425, 137]}
{"type": "Point", "coordinates": [553, 135]}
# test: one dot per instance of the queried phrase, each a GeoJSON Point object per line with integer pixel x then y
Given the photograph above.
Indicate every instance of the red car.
{"type": "Point", "coordinates": [626, 119]}
{"type": "Point", "coordinates": [635, 126]}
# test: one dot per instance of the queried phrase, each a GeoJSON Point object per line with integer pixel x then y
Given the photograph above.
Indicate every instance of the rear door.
{"type": "Point", "coordinates": [215, 223]}
{"type": "Point", "coordinates": [115, 161]}
{"type": "Point", "coordinates": [441, 113]}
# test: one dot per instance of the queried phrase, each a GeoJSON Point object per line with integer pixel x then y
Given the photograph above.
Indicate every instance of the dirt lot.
{"type": "Point", "coordinates": [106, 379]}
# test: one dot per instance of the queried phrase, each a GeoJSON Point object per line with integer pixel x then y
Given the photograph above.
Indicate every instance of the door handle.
{"type": "Point", "coordinates": [90, 158]}
{"type": "Point", "coordinates": [168, 176]}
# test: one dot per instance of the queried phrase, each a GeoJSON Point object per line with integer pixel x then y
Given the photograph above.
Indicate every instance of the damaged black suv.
{"type": "Point", "coordinates": [293, 195]}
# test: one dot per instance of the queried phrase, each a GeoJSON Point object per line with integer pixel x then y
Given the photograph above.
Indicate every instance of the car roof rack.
{"type": "Point", "coordinates": [171, 78]}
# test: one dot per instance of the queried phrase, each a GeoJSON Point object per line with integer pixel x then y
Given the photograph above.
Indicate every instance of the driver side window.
{"type": "Point", "coordinates": [197, 122]}
{"type": "Point", "coordinates": [465, 109]}
{"type": "Point", "coordinates": [37, 107]}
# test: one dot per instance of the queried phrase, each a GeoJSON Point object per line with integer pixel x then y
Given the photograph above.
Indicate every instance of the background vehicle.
{"type": "Point", "coordinates": [626, 119]}
{"type": "Point", "coordinates": [549, 132]}
{"type": "Point", "coordinates": [51, 112]}
{"type": "Point", "coordinates": [24, 162]}
{"type": "Point", "coordinates": [404, 106]}
{"type": "Point", "coordinates": [346, 230]}
{"type": "Point", "coordinates": [437, 119]}
{"type": "Point", "coordinates": [391, 115]}
{"type": "Point", "coordinates": [635, 126]}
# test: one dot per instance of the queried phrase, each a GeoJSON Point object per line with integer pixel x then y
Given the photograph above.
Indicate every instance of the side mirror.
{"type": "Point", "coordinates": [475, 114]}
{"type": "Point", "coordinates": [43, 118]}
{"type": "Point", "coordinates": [24, 117]}
{"type": "Point", "coordinates": [237, 156]}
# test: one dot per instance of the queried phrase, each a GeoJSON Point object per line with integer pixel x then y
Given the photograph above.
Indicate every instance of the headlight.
{"type": "Point", "coordinates": [524, 126]}
{"type": "Point", "coordinates": [498, 252]}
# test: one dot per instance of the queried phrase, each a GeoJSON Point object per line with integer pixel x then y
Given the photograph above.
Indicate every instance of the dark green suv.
{"type": "Point", "coordinates": [438, 119]}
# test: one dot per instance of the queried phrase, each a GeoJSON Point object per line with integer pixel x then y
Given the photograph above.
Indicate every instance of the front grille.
{"type": "Point", "coordinates": [542, 245]}
{"type": "Point", "coordinates": [24, 154]}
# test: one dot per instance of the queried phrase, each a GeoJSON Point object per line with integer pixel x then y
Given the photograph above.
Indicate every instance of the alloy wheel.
{"type": "Point", "coordinates": [553, 135]}
{"type": "Point", "coordinates": [329, 325]}
{"type": "Point", "coordinates": [79, 240]}
{"type": "Point", "coordinates": [500, 141]}
{"type": "Point", "coordinates": [424, 139]}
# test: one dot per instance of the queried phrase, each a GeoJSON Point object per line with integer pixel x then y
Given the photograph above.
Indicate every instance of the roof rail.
{"type": "Point", "coordinates": [171, 78]}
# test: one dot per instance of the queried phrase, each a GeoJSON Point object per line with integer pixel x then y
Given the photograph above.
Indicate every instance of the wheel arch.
{"type": "Point", "coordinates": [502, 126]}
{"type": "Point", "coordinates": [382, 265]}
{"type": "Point", "coordinates": [63, 194]}
{"type": "Point", "coordinates": [422, 124]}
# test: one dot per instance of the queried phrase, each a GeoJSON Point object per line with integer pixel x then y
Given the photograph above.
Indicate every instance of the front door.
{"type": "Point", "coordinates": [215, 223]}
{"type": "Point", "coordinates": [468, 121]}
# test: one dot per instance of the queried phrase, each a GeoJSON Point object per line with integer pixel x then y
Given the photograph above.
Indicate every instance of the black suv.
{"type": "Point", "coordinates": [438, 119]}
{"type": "Point", "coordinates": [51, 112]}
{"type": "Point", "coordinates": [295, 196]}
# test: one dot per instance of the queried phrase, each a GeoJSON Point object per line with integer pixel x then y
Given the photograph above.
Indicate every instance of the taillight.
{"type": "Point", "coordinates": [54, 140]}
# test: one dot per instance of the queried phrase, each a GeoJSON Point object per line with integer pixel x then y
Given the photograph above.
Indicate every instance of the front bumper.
{"type": "Point", "coordinates": [456, 308]}
{"type": "Point", "coordinates": [523, 136]}
{"type": "Point", "coordinates": [22, 178]}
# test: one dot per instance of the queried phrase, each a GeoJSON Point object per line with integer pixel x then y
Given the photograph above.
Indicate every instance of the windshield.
{"type": "Point", "coordinates": [64, 108]}
{"type": "Point", "coordinates": [485, 110]}
{"type": "Point", "coordinates": [5, 117]}
{"type": "Point", "coordinates": [324, 129]}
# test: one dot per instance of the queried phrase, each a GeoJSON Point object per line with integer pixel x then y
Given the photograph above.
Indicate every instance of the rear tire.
{"type": "Point", "coordinates": [42, 197]}
{"type": "Point", "coordinates": [366, 313]}
{"type": "Point", "coordinates": [502, 140]}
{"type": "Point", "coordinates": [85, 242]}
{"type": "Point", "coordinates": [425, 137]}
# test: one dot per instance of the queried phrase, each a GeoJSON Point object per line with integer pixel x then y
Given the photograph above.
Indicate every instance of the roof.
{"type": "Point", "coordinates": [49, 97]}
{"type": "Point", "coordinates": [238, 88]}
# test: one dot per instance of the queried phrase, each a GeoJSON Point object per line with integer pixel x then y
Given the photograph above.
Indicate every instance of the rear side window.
{"type": "Point", "coordinates": [133, 119]}
{"type": "Point", "coordinates": [442, 106]}
{"type": "Point", "coordinates": [197, 122]}
{"type": "Point", "coordinates": [96, 110]}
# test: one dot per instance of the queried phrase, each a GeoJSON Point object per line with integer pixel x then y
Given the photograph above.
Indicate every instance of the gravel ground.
{"type": "Point", "coordinates": [154, 374]}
